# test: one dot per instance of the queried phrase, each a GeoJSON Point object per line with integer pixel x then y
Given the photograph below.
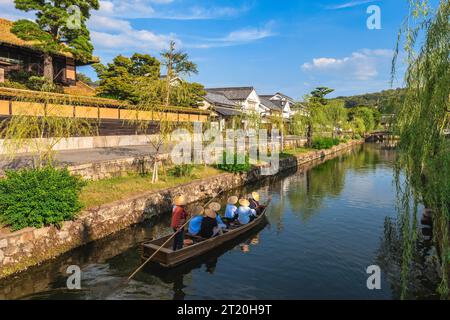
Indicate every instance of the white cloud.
{"type": "Point", "coordinates": [203, 13]}
{"type": "Point", "coordinates": [133, 9]}
{"type": "Point", "coordinates": [239, 37]}
{"type": "Point", "coordinates": [350, 4]}
{"type": "Point", "coordinates": [361, 65]}
{"type": "Point", "coordinates": [9, 12]}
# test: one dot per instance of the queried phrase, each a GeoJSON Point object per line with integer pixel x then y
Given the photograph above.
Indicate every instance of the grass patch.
{"type": "Point", "coordinates": [97, 193]}
{"type": "Point", "coordinates": [295, 152]}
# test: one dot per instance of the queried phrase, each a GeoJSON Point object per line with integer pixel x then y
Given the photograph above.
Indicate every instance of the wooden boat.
{"type": "Point", "coordinates": [168, 258]}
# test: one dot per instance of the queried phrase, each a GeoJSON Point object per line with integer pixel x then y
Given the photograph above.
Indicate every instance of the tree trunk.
{"type": "Point", "coordinates": [309, 135]}
{"type": "Point", "coordinates": [168, 88]}
{"type": "Point", "coordinates": [48, 66]}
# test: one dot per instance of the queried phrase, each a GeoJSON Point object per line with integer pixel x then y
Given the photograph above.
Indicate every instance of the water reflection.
{"type": "Point", "coordinates": [328, 222]}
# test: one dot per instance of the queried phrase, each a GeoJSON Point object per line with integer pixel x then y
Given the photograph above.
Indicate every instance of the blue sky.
{"type": "Point", "coordinates": [275, 46]}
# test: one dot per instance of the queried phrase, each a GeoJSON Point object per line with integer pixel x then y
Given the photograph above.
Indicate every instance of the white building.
{"type": "Point", "coordinates": [245, 97]}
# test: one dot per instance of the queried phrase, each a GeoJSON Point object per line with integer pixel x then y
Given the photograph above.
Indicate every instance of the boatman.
{"type": "Point", "coordinates": [254, 203]}
{"type": "Point", "coordinates": [179, 216]}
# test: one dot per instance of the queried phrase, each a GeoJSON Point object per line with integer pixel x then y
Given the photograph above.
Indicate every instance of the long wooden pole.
{"type": "Point", "coordinates": [168, 240]}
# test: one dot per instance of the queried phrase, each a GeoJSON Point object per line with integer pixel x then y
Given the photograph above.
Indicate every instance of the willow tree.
{"type": "Point", "coordinates": [150, 119]}
{"type": "Point", "coordinates": [39, 128]}
{"type": "Point", "coordinates": [60, 26]}
{"type": "Point", "coordinates": [313, 119]}
{"type": "Point", "coordinates": [424, 152]}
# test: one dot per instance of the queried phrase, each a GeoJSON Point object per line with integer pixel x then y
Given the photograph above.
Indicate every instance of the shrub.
{"type": "Point", "coordinates": [39, 197]}
{"type": "Point", "coordinates": [235, 167]}
{"type": "Point", "coordinates": [13, 85]}
{"type": "Point", "coordinates": [42, 84]}
{"type": "Point", "coordinates": [324, 143]}
{"type": "Point", "coordinates": [184, 170]}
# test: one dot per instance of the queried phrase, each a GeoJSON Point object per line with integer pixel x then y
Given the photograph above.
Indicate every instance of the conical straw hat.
{"type": "Point", "coordinates": [244, 202]}
{"type": "Point", "coordinates": [233, 200]}
{"type": "Point", "coordinates": [215, 206]}
{"type": "Point", "coordinates": [255, 195]}
{"type": "Point", "coordinates": [180, 200]}
{"type": "Point", "coordinates": [197, 211]}
{"type": "Point", "coordinates": [210, 213]}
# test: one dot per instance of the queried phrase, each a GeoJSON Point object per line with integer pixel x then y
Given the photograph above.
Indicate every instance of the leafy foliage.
{"type": "Point", "coordinates": [319, 94]}
{"type": "Point", "coordinates": [320, 143]}
{"type": "Point", "coordinates": [122, 78]}
{"type": "Point", "coordinates": [22, 79]}
{"type": "Point", "coordinates": [39, 197]}
{"type": "Point", "coordinates": [235, 167]}
{"type": "Point", "coordinates": [137, 80]}
{"type": "Point", "coordinates": [87, 80]}
{"type": "Point", "coordinates": [423, 149]}
{"type": "Point", "coordinates": [177, 63]}
{"type": "Point", "coordinates": [184, 170]}
{"type": "Point", "coordinates": [51, 30]}
{"type": "Point", "coordinates": [40, 134]}
{"type": "Point", "coordinates": [386, 101]}
{"type": "Point", "coordinates": [52, 33]}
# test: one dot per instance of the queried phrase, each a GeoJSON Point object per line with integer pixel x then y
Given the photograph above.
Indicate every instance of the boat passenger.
{"type": "Point", "coordinates": [245, 213]}
{"type": "Point", "coordinates": [196, 222]}
{"type": "Point", "coordinates": [179, 216]}
{"type": "Point", "coordinates": [216, 208]}
{"type": "Point", "coordinates": [231, 209]}
{"type": "Point", "coordinates": [210, 227]}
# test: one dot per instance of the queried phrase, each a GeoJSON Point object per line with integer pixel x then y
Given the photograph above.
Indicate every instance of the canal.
{"type": "Point", "coordinates": [327, 225]}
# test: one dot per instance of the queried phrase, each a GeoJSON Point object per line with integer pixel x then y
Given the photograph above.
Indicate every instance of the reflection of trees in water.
{"type": "Point", "coordinates": [423, 266]}
{"type": "Point", "coordinates": [328, 179]}
{"type": "Point", "coordinates": [315, 185]}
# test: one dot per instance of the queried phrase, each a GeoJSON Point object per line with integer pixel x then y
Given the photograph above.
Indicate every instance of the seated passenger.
{"type": "Point", "coordinates": [216, 208]}
{"type": "Point", "coordinates": [231, 209]}
{"type": "Point", "coordinates": [196, 221]}
{"type": "Point", "coordinates": [209, 227]}
{"type": "Point", "coordinates": [245, 213]}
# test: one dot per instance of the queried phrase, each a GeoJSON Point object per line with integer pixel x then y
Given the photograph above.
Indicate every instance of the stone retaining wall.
{"type": "Point", "coordinates": [30, 246]}
{"type": "Point", "coordinates": [120, 167]}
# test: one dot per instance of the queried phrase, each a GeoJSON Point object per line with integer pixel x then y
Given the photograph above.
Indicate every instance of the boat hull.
{"type": "Point", "coordinates": [170, 259]}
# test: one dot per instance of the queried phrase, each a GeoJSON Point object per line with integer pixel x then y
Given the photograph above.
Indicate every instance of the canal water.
{"type": "Point", "coordinates": [326, 225]}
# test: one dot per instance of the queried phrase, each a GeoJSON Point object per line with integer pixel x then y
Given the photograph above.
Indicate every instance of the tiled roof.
{"type": "Point", "coordinates": [219, 99]}
{"type": "Point", "coordinates": [236, 93]}
{"type": "Point", "coordinates": [272, 105]}
{"type": "Point", "coordinates": [285, 96]}
{"type": "Point", "coordinates": [227, 111]}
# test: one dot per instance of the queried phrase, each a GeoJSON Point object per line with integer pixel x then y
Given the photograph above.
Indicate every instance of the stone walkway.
{"type": "Point", "coordinates": [82, 156]}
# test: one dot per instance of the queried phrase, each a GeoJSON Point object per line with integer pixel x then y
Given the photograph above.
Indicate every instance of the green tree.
{"type": "Point", "coordinates": [369, 116]}
{"type": "Point", "coordinates": [320, 93]}
{"type": "Point", "coordinates": [87, 80]}
{"type": "Point", "coordinates": [122, 78]}
{"type": "Point", "coordinates": [187, 94]}
{"type": "Point", "coordinates": [39, 133]}
{"type": "Point", "coordinates": [60, 26]}
{"type": "Point", "coordinates": [316, 118]}
{"type": "Point", "coordinates": [424, 151]}
{"type": "Point", "coordinates": [337, 115]}
{"type": "Point", "coordinates": [177, 64]}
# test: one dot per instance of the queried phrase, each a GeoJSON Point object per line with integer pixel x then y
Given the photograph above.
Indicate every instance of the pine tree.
{"type": "Point", "coordinates": [60, 26]}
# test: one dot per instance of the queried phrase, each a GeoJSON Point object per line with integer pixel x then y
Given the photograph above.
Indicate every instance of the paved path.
{"type": "Point", "coordinates": [82, 156]}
